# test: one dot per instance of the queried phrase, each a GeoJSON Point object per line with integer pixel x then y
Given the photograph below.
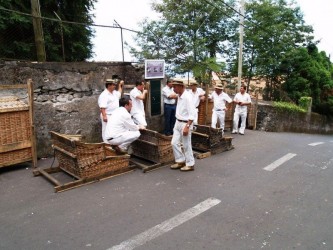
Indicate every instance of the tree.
{"type": "Point", "coordinates": [190, 33]}
{"type": "Point", "coordinates": [309, 73]}
{"type": "Point", "coordinates": [17, 41]}
{"type": "Point", "coordinates": [272, 28]}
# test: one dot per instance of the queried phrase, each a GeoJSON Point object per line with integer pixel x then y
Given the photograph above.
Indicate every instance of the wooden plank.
{"type": "Point", "coordinates": [64, 151]}
{"type": "Point", "coordinates": [14, 86]}
{"type": "Point", "coordinates": [15, 146]}
{"type": "Point", "coordinates": [11, 109]}
{"type": "Point", "coordinates": [201, 155]}
{"type": "Point", "coordinates": [13, 162]}
{"type": "Point", "coordinates": [31, 116]}
{"type": "Point", "coordinates": [49, 177]}
{"type": "Point", "coordinates": [85, 181]}
{"type": "Point", "coordinates": [145, 166]}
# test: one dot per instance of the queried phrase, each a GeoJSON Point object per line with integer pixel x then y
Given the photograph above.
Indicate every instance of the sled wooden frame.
{"type": "Point", "coordinates": [78, 182]}
{"type": "Point", "coordinates": [146, 165]}
{"type": "Point", "coordinates": [85, 162]}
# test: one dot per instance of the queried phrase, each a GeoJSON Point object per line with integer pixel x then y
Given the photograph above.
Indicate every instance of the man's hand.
{"type": "Point", "coordinates": [186, 130]}
{"type": "Point", "coordinates": [141, 127]}
{"type": "Point", "coordinates": [105, 118]}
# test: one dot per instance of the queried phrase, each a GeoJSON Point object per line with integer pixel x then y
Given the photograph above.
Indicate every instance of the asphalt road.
{"type": "Point", "coordinates": [230, 201]}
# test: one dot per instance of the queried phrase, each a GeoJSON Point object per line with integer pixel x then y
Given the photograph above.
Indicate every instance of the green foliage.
{"type": "Point", "coordinates": [18, 42]}
{"type": "Point", "coordinates": [272, 28]}
{"type": "Point", "coordinates": [288, 107]}
{"type": "Point", "coordinates": [308, 73]}
{"type": "Point", "coordinates": [189, 35]}
{"type": "Point", "coordinates": [305, 102]}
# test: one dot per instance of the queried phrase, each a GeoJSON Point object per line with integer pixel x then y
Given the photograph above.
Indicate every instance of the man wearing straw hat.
{"type": "Point", "coordinates": [198, 95]}
{"type": "Point", "coordinates": [220, 98]}
{"type": "Point", "coordinates": [108, 101]}
{"type": "Point", "coordinates": [182, 132]}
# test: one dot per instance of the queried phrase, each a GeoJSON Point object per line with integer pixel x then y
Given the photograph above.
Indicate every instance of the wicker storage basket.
{"type": "Point", "coordinates": [86, 160]}
{"type": "Point", "coordinates": [153, 146]}
{"type": "Point", "coordinates": [15, 131]}
{"type": "Point", "coordinates": [206, 137]}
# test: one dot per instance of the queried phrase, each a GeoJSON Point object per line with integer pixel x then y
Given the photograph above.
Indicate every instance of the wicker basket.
{"type": "Point", "coordinates": [86, 160]}
{"type": "Point", "coordinates": [153, 146]}
{"type": "Point", "coordinates": [15, 131]}
{"type": "Point", "coordinates": [205, 137]}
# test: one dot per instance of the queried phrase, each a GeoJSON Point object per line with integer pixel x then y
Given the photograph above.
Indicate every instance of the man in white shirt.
{"type": "Point", "coordinates": [138, 94]}
{"type": "Point", "coordinates": [198, 95]}
{"type": "Point", "coordinates": [242, 100]}
{"type": "Point", "coordinates": [108, 101]}
{"type": "Point", "coordinates": [182, 132]}
{"type": "Point", "coordinates": [220, 98]}
{"type": "Point", "coordinates": [169, 99]}
{"type": "Point", "coordinates": [121, 131]}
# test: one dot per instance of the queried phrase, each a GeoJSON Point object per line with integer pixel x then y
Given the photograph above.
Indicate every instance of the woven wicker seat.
{"type": "Point", "coordinates": [87, 162]}
{"type": "Point", "coordinates": [153, 146]}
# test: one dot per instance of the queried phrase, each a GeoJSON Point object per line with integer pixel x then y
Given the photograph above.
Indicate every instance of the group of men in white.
{"type": "Point", "coordinates": [122, 118]}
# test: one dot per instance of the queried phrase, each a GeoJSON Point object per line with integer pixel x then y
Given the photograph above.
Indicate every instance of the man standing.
{"type": "Point", "coordinates": [138, 94]}
{"type": "Point", "coordinates": [108, 101]}
{"type": "Point", "coordinates": [242, 100]}
{"type": "Point", "coordinates": [121, 131]}
{"type": "Point", "coordinates": [169, 98]}
{"type": "Point", "coordinates": [185, 113]}
{"type": "Point", "coordinates": [220, 98]}
{"type": "Point", "coordinates": [198, 95]}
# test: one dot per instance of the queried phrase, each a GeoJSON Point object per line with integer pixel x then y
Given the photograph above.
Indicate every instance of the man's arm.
{"type": "Point", "coordinates": [104, 117]}
{"type": "Point", "coordinates": [143, 95]}
{"type": "Point", "coordinates": [121, 86]}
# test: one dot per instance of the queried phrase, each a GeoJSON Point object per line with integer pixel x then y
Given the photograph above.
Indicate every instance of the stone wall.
{"type": "Point", "coordinates": [272, 120]}
{"type": "Point", "coordinates": [65, 96]}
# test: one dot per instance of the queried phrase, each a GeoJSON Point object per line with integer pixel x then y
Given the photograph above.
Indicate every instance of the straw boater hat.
{"type": "Point", "coordinates": [110, 81]}
{"type": "Point", "coordinates": [193, 83]}
{"type": "Point", "coordinates": [178, 81]}
{"type": "Point", "coordinates": [219, 86]}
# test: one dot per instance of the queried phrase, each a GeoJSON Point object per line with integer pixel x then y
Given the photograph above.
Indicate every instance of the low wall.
{"type": "Point", "coordinates": [66, 94]}
{"type": "Point", "coordinates": [273, 120]}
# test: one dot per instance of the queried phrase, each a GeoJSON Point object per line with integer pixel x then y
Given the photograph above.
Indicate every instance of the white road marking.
{"type": "Point", "coordinates": [315, 143]}
{"type": "Point", "coordinates": [166, 226]}
{"type": "Point", "coordinates": [279, 162]}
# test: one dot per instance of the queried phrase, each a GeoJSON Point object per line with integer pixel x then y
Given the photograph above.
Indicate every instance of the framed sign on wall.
{"type": "Point", "coordinates": [154, 69]}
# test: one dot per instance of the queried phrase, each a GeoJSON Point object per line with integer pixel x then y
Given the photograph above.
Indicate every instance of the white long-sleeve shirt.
{"type": "Point", "coordinates": [138, 107]}
{"type": "Point", "coordinates": [166, 91]}
{"type": "Point", "coordinates": [120, 122]}
{"type": "Point", "coordinates": [239, 97]}
{"type": "Point", "coordinates": [196, 96]}
{"type": "Point", "coordinates": [185, 107]}
{"type": "Point", "coordinates": [109, 101]}
{"type": "Point", "coordinates": [219, 100]}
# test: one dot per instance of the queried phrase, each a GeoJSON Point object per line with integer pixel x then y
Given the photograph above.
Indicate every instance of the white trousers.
{"type": "Point", "coordinates": [104, 127]}
{"type": "Point", "coordinates": [218, 115]}
{"type": "Point", "coordinates": [239, 114]}
{"type": "Point", "coordinates": [125, 139]}
{"type": "Point", "coordinates": [139, 119]}
{"type": "Point", "coordinates": [178, 141]}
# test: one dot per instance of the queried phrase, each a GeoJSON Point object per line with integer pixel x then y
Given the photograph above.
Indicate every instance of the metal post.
{"type": "Point", "coordinates": [62, 37]}
{"type": "Point", "coordinates": [122, 43]}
